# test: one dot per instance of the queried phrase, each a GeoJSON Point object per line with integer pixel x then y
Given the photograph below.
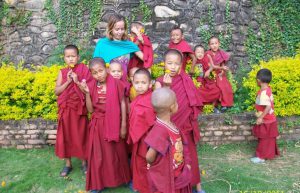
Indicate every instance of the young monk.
{"type": "Point", "coordinates": [141, 120]}
{"type": "Point", "coordinates": [72, 132]}
{"type": "Point", "coordinates": [132, 91]}
{"type": "Point", "coordinates": [220, 58]}
{"type": "Point", "coordinates": [168, 155]}
{"type": "Point", "coordinates": [209, 91]}
{"type": "Point", "coordinates": [107, 156]}
{"type": "Point", "coordinates": [144, 43]}
{"type": "Point", "coordinates": [116, 71]}
{"type": "Point", "coordinates": [189, 106]}
{"type": "Point", "coordinates": [266, 124]}
{"type": "Point", "coordinates": [177, 42]}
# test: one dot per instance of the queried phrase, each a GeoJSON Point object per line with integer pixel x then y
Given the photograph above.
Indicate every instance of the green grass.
{"type": "Point", "coordinates": [227, 169]}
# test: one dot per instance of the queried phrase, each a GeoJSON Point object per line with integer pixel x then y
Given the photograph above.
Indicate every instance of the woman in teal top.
{"type": "Point", "coordinates": [116, 45]}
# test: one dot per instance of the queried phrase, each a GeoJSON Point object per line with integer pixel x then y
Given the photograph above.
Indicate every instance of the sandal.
{"type": "Point", "coordinates": [84, 168]}
{"type": "Point", "coordinates": [65, 171]}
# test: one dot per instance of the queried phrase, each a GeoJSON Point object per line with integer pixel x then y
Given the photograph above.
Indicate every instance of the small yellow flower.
{"type": "Point", "coordinates": [142, 30]}
{"type": "Point", "coordinates": [168, 71]}
{"type": "Point", "coordinates": [203, 172]}
{"type": "Point", "coordinates": [3, 183]}
{"type": "Point", "coordinates": [72, 65]}
{"type": "Point", "coordinates": [107, 65]}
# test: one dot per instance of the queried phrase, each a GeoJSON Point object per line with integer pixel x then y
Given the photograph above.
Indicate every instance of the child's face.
{"type": "Point", "coordinates": [99, 72]}
{"type": "Point", "coordinates": [214, 44]}
{"type": "Point", "coordinates": [173, 64]}
{"type": "Point", "coordinates": [115, 69]}
{"type": "Point", "coordinates": [199, 53]}
{"type": "Point", "coordinates": [71, 57]}
{"type": "Point", "coordinates": [141, 83]}
{"type": "Point", "coordinates": [176, 36]}
{"type": "Point", "coordinates": [131, 73]}
{"type": "Point", "coordinates": [118, 30]}
{"type": "Point", "coordinates": [137, 27]}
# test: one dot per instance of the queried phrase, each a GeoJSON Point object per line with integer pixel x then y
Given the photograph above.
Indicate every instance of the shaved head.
{"type": "Point", "coordinates": [162, 99]}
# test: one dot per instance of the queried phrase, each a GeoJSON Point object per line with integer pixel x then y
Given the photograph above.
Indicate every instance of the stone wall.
{"type": "Point", "coordinates": [35, 42]}
{"type": "Point", "coordinates": [214, 129]}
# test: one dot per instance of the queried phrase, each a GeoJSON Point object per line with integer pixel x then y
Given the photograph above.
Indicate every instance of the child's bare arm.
{"type": "Point", "coordinates": [123, 119]}
{"type": "Point", "coordinates": [140, 55]}
{"type": "Point", "coordinates": [194, 60]}
{"type": "Point", "coordinates": [88, 101]}
{"type": "Point", "coordinates": [157, 85]}
{"type": "Point", "coordinates": [151, 155]}
{"type": "Point", "coordinates": [59, 88]}
{"type": "Point", "coordinates": [260, 118]}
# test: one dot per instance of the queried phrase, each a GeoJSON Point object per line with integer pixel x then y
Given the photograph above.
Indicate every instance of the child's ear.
{"type": "Point", "coordinates": [150, 85]}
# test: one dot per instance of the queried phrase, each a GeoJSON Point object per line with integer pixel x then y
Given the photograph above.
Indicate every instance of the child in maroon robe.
{"type": "Point", "coordinates": [168, 154]}
{"type": "Point", "coordinates": [189, 106]}
{"type": "Point", "coordinates": [177, 42]}
{"type": "Point", "coordinates": [220, 58]}
{"type": "Point", "coordinates": [209, 91]}
{"type": "Point", "coordinates": [144, 43]}
{"type": "Point", "coordinates": [107, 156]}
{"type": "Point", "coordinates": [266, 125]}
{"type": "Point", "coordinates": [141, 120]}
{"type": "Point", "coordinates": [72, 132]}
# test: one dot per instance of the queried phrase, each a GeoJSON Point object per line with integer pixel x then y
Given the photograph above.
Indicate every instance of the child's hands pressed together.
{"type": "Point", "coordinates": [206, 74]}
{"type": "Point", "coordinates": [167, 80]}
{"type": "Point", "coordinates": [225, 68]}
{"type": "Point", "coordinates": [74, 77]}
{"type": "Point", "coordinates": [69, 76]}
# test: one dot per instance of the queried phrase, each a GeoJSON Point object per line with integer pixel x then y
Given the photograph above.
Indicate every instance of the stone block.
{"type": "Point", "coordinates": [5, 142]}
{"type": "Point", "coordinates": [35, 141]}
{"type": "Point", "coordinates": [50, 132]}
{"type": "Point", "coordinates": [165, 12]}
{"type": "Point", "coordinates": [218, 133]}
{"type": "Point", "coordinates": [228, 133]}
{"type": "Point", "coordinates": [245, 127]}
{"type": "Point", "coordinates": [238, 138]}
{"type": "Point", "coordinates": [26, 136]}
{"type": "Point", "coordinates": [20, 146]}
{"type": "Point", "coordinates": [28, 146]}
{"type": "Point", "coordinates": [30, 132]}
{"type": "Point", "coordinates": [208, 133]}
{"type": "Point", "coordinates": [49, 28]}
{"type": "Point", "coordinates": [247, 133]}
{"type": "Point", "coordinates": [51, 142]}
{"type": "Point", "coordinates": [205, 139]}
{"type": "Point", "coordinates": [51, 137]}
{"type": "Point", "coordinates": [165, 25]}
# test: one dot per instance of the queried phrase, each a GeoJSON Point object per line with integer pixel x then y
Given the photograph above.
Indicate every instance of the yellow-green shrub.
{"type": "Point", "coordinates": [285, 85]}
{"type": "Point", "coordinates": [26, 94]}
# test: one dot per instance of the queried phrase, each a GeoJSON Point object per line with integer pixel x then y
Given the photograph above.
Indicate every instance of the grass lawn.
{"type": "Point", "coordinates": [224, 168]}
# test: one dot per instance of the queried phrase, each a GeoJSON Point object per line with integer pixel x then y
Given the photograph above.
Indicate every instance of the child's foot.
{"type": "Point", "coordinates": [216, 111]}
{"type": "Point", "coordinates": [130, 185]}
{"type": "Point", "coordinates": [66, 171]}
{"type": "Point", "coordinates": [224, 109]}
{"type": "Point", "coordinates": [84, 168]}
{"type": "Point", "coordinates": [257, 160]}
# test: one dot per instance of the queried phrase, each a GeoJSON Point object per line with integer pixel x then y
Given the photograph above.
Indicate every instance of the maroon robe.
{"type": "Point", "coordinates": [107, 157]}
{"type": "Point", "coordinates": [147, 50]}
{"type": "Point", "coordinates": [161, 173]}
{"type": "Point", "coordinates": [267, 147]}
{"type": "Point", "coordinates": [72, 132]}
{"type": "Point", "coordinates": [209, 91]}
{"type": "Point", "coordinates": [184, 48]}
{"type": "Point", "coordinates": [141, 120]}
{"type": "Point", "coordinates": [186, 118]}
{"type": "Point", "coordinates": [220, 58]}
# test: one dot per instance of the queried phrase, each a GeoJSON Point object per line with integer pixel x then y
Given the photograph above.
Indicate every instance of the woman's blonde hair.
{"type": "Point", "coordinates": [111, 23]}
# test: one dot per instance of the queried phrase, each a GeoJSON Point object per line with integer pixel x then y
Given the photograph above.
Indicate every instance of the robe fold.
{"type": "Point", "coordinates": [161, 173]}
{"type": "Point", "coordinates": [184, 48]}
{"type": "Point", "coordinates": [209, 91]}
{"type": "Point", "coordinates": [226, 96]}
{"type": "Point", "coordinates": [141, 120]}
{"type": "Point", "coordinates": [107, 156]}
{"type": "Point", "coordinates": [186, 118]}
{"type": "Point", "coordinates": [147, 50]}
{"type": "Point", "coordinates": [72, 130]}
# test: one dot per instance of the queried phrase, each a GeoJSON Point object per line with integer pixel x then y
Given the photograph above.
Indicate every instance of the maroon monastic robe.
{"type": "Point", "coordinates": [161, 173]}
{"type": "Point", "coordinates": [220, 58]}
{"type": "Point", "coordinates": [209, 91]}
{"type": "Point", "coordinates": [141, 120]}
{"type": "Point", "coordinates": [184, 48]}
{"type": "Point", "coordinates": [147, 50]}
{"type": "Point", "coordinates": [72, 132]}
{"type": "Point", "coordinates": [107, 156]}
{"type": "Point", "coordinates": [186, 118]}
